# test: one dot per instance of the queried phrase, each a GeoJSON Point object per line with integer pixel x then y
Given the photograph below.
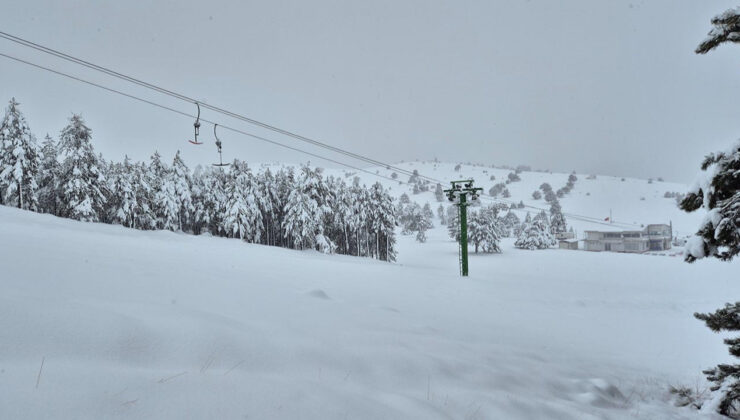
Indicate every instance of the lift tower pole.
{"type": "Point", "coordinates": [459, 195]}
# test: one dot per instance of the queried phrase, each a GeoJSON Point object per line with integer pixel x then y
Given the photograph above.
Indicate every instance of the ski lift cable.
{"type": "Point", "coordinates": [581, 218]}
{"type": "Point", "coordinates": [185, 98]}
{"type": "Point", "coordinates": [182, 97]}
{"type": "Point", "coordinates": [228, 113]}
{"type": "Point", "coordinates": [185, 114]}
{"type": "Point", "coordinates": [587, 219]}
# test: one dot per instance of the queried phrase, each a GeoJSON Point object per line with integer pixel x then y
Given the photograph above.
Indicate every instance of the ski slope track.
{"type": "Point", "coordinates": [161, 325]}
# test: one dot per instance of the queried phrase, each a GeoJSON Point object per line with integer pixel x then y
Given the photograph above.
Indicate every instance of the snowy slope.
{"type": "Point", "coordinates": [133, 324]}
{"type": "Point", "coordinates": [632, 202]}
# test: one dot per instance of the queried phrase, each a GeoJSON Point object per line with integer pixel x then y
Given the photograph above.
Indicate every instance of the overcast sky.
{"type": "Point", "coordinates": [602, 86]}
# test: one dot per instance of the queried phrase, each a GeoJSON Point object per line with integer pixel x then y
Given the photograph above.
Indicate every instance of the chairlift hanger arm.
{"type": "Point", "coordinates": [196, 127]}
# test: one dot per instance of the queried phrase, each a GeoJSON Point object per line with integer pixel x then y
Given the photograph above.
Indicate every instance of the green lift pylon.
{"type": "Point", "coordinates": [459, 195]}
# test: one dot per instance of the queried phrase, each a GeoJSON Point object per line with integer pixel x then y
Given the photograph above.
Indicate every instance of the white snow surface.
{"type": "Point", "coordinates": [159, 325]}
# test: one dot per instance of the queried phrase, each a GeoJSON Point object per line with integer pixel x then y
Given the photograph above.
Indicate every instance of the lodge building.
{"type": "Point", "coordinates": [655, 237]}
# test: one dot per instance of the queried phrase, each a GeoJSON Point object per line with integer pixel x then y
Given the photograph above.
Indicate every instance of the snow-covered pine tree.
{"type": "Point", "coordinates": [496, 189]}
{"type": "Point", "coordinates": [512, 223]}
{"type": "Point", "coordinates": [535, 235]}
{"type": "Point", "coordinates": [421, 223]}
{"type": "Point", "coordinates": [82, 178]}
{"type": "Point", "coordinates": [383, 223]}
{"type": "Point", "coordinates": [441, 214]}
{"type": "Point", "coordinates": [341, 215]}
{"type": "Point", "coordinates": [122, 201]}
{"type": "Point", "coordinates": [725, 378]}
{"type": "Point", "coordinates": [304, 211]}
{"type": "Point", "coordinates": [48, 178]}
{"type": "Point", "coordinates": [428, 213]}
{"type": "Point", "coordinates": [513, 177]}
{"type": "Point", "coordinates": [536, 195]}
{"type": "Point", "coordinates": [268, 203]}
{"type": "Point", "coordinates": [168, 205]}
{"type": "Point", "coordinates": [557, 220]}
{"type": "Point", "coordinates": [19, 161]}
{"type": "Point", "coordinates": [214, 200]}
{"type": "Point", "coordinates": [726, 28]}
{"type": "Point", "coordinates": [543, 217]}
{"type": "Point", "coordinates": [242, 218]}
{"type": "Point", "coordinates": [200, 218]}
{"type": "Point", "coordinates": [359, 219]}
{"type": "Point", "coordinates": [144, 215]}
{"type": "Point", "coordinates": [183, 192]}
{"type": "Point", "coordinates": [484, 230]}
{"type": "Point", "coordinates": [453, 222]}
{"type": "Point", "coordinates": [718, 192]}
{"type": "Point", "coordinates": [439, 193]}
{"type": "Point", "coordinates": [572, 178]}
{"type": "Point", "coordinates": [286, 181]}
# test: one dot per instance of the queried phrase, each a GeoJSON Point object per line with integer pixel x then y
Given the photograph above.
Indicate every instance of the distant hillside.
{"type": "Point", "coordinates": [633, 202]}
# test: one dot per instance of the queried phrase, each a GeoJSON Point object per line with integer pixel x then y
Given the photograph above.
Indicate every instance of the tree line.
{"type": "Point", "coordinates": [291, 208]}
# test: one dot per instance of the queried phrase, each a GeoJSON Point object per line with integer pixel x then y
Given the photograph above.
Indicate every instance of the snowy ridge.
{"type": "Point", "coordinates": [153, 324]}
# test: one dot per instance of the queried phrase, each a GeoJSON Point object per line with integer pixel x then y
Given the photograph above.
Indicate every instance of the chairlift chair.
{"type": "Point", "coordinates": [196, 127]}
{"type": "Point", "coordinates": [218, 145]}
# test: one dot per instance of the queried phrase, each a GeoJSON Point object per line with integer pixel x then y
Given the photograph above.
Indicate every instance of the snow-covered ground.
{"type": "Point", "coordinates": [133, 324]}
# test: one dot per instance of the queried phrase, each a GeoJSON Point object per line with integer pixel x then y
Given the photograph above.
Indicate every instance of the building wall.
{"type": "Point", "coordinates": [568, 244]}
{"type": "Point", "coordinates": [591, 245]}
{"type": "Point", "coordinates": [653, 237]}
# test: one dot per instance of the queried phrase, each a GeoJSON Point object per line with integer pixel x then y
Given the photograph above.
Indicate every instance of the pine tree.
{"type": "Point", "coordinates": [243, 218]}
{"type": "Point", "coordinates": [122, 202]}
{"type": "Point", "coordinates": [183, 191]}
{"type": "Point", "coordinates": [382, 223]}
{"type": "Point", "coordinates": [512, 223]}
{"type": "Point", "coordinates": [557, 220]}
{"type": "Point", "coordinates": [439, 193]}
{"type": "Point", "coordinates": [718, 192]}
{"type": "Point", "coordinates": [428, 213]}
{"type": "Point", "coordinates": [441, 214]}
{"type": "Point", "coordinates": [82, 178]}
{"type": "Point", "coordinates": [269, 203]}
{"type": "Point", "coordinates": [19, 161]}
{"type": "Point", "coordinates": [453, 222]}
{"type": "Point", "coordinates": [304, 211]}
{"type": "Point", "coordinates": [535, 235]}
{"type": "Point", "coordinates": [726, 29]}
{"type": "Point", "coordinates": [168, 205]}
{"type": "Point", "coordinates": [542, 216]}
{"type": "Point", "coordinates": [143, 212]}
{"type": "Point", "coordinates": [484, 230]}
{"type": "Point", "coordinates": [199, 218]}
{"type": "Point", "coordinates": [48, 178]}
{"type": "Point", "coordinates": [358, 221]}
{"type": "Point", "coordinates": [725, 377]}
{"type": "Point", "coordinates": [215, 196]}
